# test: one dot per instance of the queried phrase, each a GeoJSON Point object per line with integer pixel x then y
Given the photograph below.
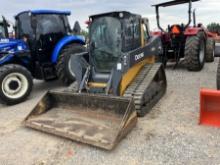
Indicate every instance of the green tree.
{"type": "Point", "coordinates": [214, 27]}
{"type": "Point", "coordinates": [85, 33]}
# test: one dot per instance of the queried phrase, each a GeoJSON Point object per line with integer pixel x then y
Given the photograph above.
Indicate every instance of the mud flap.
{"type": "Point", "coordinates": [210, 107]}
{"type": "Point", "coordinates": [97, 120]}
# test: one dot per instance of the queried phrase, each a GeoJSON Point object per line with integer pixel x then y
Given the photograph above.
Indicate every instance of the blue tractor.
{"type": "Point", "coordinates": [41, 50]}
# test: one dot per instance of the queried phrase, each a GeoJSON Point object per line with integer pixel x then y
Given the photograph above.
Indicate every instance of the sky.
{"type": "Point", "coordinates": [207, 10]}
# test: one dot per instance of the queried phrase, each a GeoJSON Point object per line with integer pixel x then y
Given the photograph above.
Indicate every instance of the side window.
{"type": "Point", "coordinates": [24, 26]}
{"type": "Point", "coordinates": [66, 22]}
{"type": "Point", "coordinates": [136, 30]}
{"type": "Point", "coordinates": [132, 34]}
{"type": "Point", "coordinates": [145, 25]}
{"type": "Point", "coordinates": [128, 37]}
{"type": "Point", "coordinates": [49, 24]}
{"type": "Point", "coordinates": [137, 33]}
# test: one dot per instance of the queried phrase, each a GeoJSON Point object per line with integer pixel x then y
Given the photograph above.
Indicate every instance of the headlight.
{"type": "Point", "coordinates": [20, 47]}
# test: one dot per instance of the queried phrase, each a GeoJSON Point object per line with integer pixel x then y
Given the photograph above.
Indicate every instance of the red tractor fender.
{"type": "Point", "coordinates": [211, 35]}
{"type": "Point", "coordinates": [156, 33]}
{"type": "Point", "coordinates": [192, 31]}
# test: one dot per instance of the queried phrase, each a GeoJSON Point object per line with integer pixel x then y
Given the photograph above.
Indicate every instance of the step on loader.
{"type": "Point", "coordinates": [116, 80]}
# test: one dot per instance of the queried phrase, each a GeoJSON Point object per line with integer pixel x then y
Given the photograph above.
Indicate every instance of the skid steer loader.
{"type": "Point", "coordinates": [116, 80]}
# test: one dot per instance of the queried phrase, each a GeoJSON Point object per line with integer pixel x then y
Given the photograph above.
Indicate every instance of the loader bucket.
{"type": "Point", "coordinates": [97, 120]}
{"type": "Point", "coordinates": [210, 107]}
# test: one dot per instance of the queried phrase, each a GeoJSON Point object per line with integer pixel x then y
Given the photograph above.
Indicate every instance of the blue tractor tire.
{"type": "Point", "coordinates": [16, 84]}
{"type": "Point", "coordinates": [63, 68]}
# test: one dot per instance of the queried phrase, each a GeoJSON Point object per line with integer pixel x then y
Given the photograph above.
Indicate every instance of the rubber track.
{"type": "Point", "coordinates": [145, 92]}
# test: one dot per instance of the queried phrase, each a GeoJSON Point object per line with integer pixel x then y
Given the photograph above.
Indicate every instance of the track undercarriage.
{"type": "Point", "coordinates": [147, 88]}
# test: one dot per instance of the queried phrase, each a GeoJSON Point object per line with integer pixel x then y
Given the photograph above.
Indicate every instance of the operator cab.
{"type": "Point", "coordinates": [42, 29]}
{"type": "Point", "coordinates": [111, 34]}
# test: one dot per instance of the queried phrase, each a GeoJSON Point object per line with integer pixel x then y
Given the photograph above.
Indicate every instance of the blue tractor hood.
{"type": "Point", "coordinates": [12, 45]}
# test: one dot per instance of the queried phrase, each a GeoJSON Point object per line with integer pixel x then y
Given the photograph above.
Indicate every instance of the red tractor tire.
{"type": "Point", "coordinates": [195, 49]}
{"type": "Point", "coordinates": [210, 50]}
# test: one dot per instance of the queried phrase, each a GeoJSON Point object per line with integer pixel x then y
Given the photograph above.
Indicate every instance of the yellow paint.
{"type": "Point", "coordinates": [132, 73]}
{"type": "Point", "coordinates": [130, 76]}
{"type": "Point", "coordinates": [151, 60]}
{"type": "Point", "coordinates": [97, 85]}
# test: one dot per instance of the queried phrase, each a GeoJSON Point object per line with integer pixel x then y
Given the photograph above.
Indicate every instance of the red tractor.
{"type": "Point", "coordinates": [193, 43]}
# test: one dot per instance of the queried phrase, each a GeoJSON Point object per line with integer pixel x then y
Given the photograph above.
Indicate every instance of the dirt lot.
{"type": "Point", "coordinates": [169, 134]}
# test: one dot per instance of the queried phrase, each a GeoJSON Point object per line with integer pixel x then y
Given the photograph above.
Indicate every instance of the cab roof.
{"type": "Point", "coordinates": [173, 3]}
{"type": "Point", "coordinates": [113, 14]}
{"type": "Point", "coordinates": [45, 12]}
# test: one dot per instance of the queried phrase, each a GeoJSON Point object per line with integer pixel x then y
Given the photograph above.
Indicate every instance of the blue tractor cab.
{"type": "Point", "coordinates": [42, 49]}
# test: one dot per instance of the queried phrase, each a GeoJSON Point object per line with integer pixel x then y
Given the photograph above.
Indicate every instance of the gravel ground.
{"type": "Point", "coordinates": [169, 134]}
